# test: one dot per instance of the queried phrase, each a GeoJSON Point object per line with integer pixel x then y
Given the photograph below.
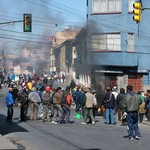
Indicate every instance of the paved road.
{"type": "Point", "coordinates": [47, 136]}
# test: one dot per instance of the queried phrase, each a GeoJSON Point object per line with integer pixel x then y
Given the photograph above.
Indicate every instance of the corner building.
{"type": "Point", "coordinates": [117, 48]}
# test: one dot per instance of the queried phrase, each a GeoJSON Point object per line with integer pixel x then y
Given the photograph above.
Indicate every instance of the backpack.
{"type": "Point", "coordinates": [68, 99]}
{"type": "Point", "coordinates": [142, 107]}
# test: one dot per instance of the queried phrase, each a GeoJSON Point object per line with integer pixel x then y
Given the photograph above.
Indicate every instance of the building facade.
{"type": "Point", "coordinates": [61, 51]}
{"type": "Point", "coordinates": [117, 47]}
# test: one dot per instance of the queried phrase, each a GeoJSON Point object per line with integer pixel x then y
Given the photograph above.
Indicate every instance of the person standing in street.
{"type": "Point", "coordinates": [57, 110]}
{"type": "Point", "coordinates": [46, 104]}
{"type": "Point", "coordinates": [9, 102]}
{"type": "Point", "coordinates": [132, 103]}
{"type": "Point", "coordinates": [65, 105]}
{"type": "Point", "coordinates": [148, 105]}
{"type": "Point", "coordinates": [109, 103]}
{"type": "Point", "coordinates": [120, 103]}
{"type": "Point", "coordinates": [15, 94]}
{"type": "Point", "coordinates": [24, 102]}
{"type": "Point", "coordinates": [88, 108]}
{"type": "Point", "coordinates": [35, 99]}
{"type": "Point", "coordinates": [142, 108]}
{"type": "Point", "coordinates": [94, 103]}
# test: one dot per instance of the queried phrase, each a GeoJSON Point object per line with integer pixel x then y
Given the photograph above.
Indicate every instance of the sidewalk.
{"type": "Point", "coordinates": [7, 144]}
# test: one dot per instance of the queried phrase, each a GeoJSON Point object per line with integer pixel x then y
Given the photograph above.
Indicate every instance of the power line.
{"type": "Point", "coordinates": [67, 9]}
{"type": "Point", "coordinates": [117, 25]}
{"type": "Point", "coordinates": [9, 35]}
{"type": "Point", "coordinates": [52, 21]}
{"type": "Point", "coordinates": [73, 9]}
{"type": "Point", "coordinates": [104, 23]}
{"type": "Point", "coordinates": [15, 39]}
{"type": "Point", "coordinates": [31, 34]}
{"type": "Point", "coordinates": [70, 10]}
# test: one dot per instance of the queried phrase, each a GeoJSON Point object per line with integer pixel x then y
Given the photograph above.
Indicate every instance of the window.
{"type": "Point", "coordinates": [106, 42]}
{"type": "Point", "coordinates": [131, 5]}
{"type": "Point", "coordinates": [106, 6]}
{"type": "Point", "coordinates": [130, 42]}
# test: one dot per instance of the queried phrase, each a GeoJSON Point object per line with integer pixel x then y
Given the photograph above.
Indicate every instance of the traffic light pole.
{"type": "Point", "coordinates": [145, 8]}
{"type": "Point", "coordinates": [10, 22]}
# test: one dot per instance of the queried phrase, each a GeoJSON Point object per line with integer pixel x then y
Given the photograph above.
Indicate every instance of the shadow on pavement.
{"type": "Point", "coordinates": [9, 127]}
{"type": "Point", "coordinates": [91, 149]}
{"type": "Point", "coordinates": [125, 136]}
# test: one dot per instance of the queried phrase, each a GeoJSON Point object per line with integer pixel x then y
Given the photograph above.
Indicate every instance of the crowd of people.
{"type": "Point", "coordinates": [38, 97]}
{"type": "Point", "coordinates": [129, 106]}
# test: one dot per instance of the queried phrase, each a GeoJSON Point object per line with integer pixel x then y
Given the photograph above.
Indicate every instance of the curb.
{"type": "Point", "coordinates": [7, 144]}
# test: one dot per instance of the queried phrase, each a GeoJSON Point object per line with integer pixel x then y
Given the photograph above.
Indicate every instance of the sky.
{"type": "Point", "coordinates": [48, 17]}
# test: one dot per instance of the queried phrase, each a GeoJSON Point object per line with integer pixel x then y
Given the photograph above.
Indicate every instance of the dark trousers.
{"type": "Point", "coordinates": [141, 116]}
{"type": "Point", "coordinates": [148, 115]}
{"type": "Point", "coordinates": [65, 113]}
{"type": "Point", "coordinates": [10, 112]}
{"type": "Point", "coordinates": [88, 112]}
{"type": "Point", "coordinates": [46, 116]}
{"type": "Point", "coordinates": [57, 110]}
{"type": "Point", "coordinates": [23, 113]}
{"type": "Point", "coordinates": [132, 121]}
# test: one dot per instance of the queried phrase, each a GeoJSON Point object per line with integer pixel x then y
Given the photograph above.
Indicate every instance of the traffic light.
{"type": "Point", "coordinates": [137, 12]}
{"type": "Point", "coordinates": [27, 22]}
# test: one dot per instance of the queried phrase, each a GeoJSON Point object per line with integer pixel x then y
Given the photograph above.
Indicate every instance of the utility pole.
{"type": "Point", "coordinates": [4, 61]}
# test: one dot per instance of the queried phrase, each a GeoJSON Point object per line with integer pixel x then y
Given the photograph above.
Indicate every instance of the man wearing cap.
{"type": "Point", "coordinates": [46, 104]}
{"type": "Point", "coordinates": [35, 99]}
{"type": "Point", "coordinates": [88, 108]}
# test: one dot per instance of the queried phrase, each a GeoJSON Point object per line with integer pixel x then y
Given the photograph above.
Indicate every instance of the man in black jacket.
{"type": "Point", "coordinates": [109, 103]}
{"type": "Point", "coordinates": [120, 103]}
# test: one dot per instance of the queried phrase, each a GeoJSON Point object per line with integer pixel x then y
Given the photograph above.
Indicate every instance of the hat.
{"type": "Point", "coordinates": [108, 89]}
{"type": "Point", "coordinates": [93, 91]}
{"type": "Point", "coordinates": [67, 87]}
{"type": "Point", "coordinates": [86, 89]}
{"type": "Point", "coordinates": [47, 89]}
{"type": "Point", "coordinates": [148, 91]}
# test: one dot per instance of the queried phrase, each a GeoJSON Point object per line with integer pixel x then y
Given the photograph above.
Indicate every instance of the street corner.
{"type": "Point", "coordinates": [7, 144]}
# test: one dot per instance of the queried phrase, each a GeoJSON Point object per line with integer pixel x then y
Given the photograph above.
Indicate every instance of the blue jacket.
{"type": "Point", "coordinates": [9, 99]}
